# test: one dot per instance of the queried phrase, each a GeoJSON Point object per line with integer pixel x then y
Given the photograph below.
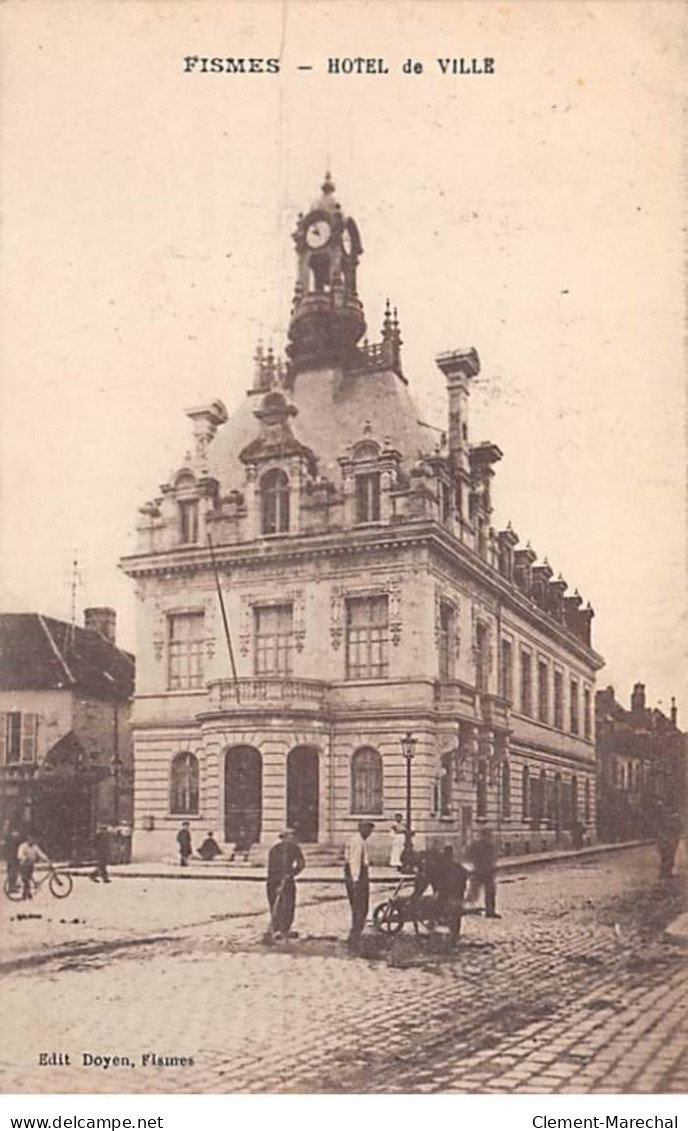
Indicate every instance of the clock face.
{"type": "Point", "coordinates": [318, 233]}
{"type": "Point", "coordinates": [347, 242]}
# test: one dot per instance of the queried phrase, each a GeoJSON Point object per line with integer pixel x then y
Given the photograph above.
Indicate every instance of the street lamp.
{"type": "Point", "coordinates": [408, 749]}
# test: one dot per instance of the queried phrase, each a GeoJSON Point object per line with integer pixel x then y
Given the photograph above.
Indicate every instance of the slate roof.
{"type": "Point", "coordinates": [333, 410]}
{"type": "Point", "coordinates": [40, 653]}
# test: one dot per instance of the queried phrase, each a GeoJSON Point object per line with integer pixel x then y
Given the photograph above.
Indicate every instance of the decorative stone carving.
{"type": "Point", "coordinates": [395, 610]}
{"type": "Point", "coordinates": [391, 589]}
{"type": "Point", "coordinates": [248, 600]}
{"type": "Point", "coordinates": [298, 600]}
{"type": "Point", "coordinates": [336, 611]}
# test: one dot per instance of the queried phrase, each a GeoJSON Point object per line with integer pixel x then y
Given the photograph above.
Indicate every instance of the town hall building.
{"type": "Point", "coordinates": [386, 650]}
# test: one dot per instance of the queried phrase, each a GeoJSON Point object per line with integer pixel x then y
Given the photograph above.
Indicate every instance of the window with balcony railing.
{"type": "Point", "coordinates": [274, 633]}
{"type": "Point", "coordinates": [367, 638]}
{"type": "Point", "coordinates": [186, 639]}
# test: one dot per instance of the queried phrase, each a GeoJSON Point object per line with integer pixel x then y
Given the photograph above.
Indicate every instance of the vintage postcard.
{"type": "Point", "coordinates": [343, 690]}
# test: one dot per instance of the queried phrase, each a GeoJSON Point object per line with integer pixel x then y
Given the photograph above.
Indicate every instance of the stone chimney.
{"type": "Point", "coordinates": [458, 367]}
{"type": "Point", "coordinates": [638, 698]}
{"type": "Point", "coordinates": [102, 620]}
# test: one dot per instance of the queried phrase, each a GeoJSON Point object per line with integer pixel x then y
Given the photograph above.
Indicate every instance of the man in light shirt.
{"type": "Point", "coordinates": [28, 856]}
{"type": "Point", "coordinates": [356, 877]}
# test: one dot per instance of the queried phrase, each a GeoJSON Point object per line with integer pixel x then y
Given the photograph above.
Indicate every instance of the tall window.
{"type": "Point", "coordinates": [586, 795]}
{"type": "Point", "coordinates": [446, 640]}
{"type": "Point", "coordinates": [274, 626]}
{"type": "Point", "coordinates": [367, 635]}
{"type": "Point", "coordinates": [482, 657]}
{"type": "Point", "coordinates": [574, 798]}
{"type": "Point", "coordinates": [543, 692]}
{"type": "Point", "coordinates": [184, 784]}
{"type": "Point", "coordinates": [525, 793]}
{"type": "Point", "coordinates": [506, 790]}
{"type": "Point", "coordinates": [185, 651]}
{"type": "Point", "coordinates": [558, 700]}
{"type": "Point", "coordinates": [188, 520]}
{"type": "Point", "coordinates": [274, 489]}
{"type": "Point", "coordinates": [587, 713]}
{"type": "Point", "coordinates": [446, 784]}
{"type": "Point", "coordinates": [368, 497]}
{"type": "Point", "coordinates": [481, 790]}
{"type": "Point", "coordinates": [526, 683]}
{"type": "Point", "coordinates": [366, 781]}
{"type": "Point", "coordinates": [506, 670]}
{"type": "Point", "coordinates": [574, 707]}
{"type": "Point", "coordinates": [18, 732]}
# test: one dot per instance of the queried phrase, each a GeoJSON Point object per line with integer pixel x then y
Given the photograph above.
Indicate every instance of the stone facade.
{"type": "Point", "coordinates": [642, 767]}
{"type": "Point", "coordinates": [367, 597]}
{"type": "Point", "coordinates": [65, 742]}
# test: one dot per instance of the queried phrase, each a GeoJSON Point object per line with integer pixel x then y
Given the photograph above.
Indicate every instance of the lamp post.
{"type": "Point", "coordinates": [408, 749]}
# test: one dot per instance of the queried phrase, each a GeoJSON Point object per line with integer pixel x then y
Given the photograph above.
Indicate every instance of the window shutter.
{"type": "Point", "coordinates": [3, 737]}
{"type": "Point", "coordinates": [28, 741]}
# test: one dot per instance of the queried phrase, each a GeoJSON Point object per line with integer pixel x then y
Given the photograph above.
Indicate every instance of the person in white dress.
{"type": "Point", "coordinates": [398, 840]}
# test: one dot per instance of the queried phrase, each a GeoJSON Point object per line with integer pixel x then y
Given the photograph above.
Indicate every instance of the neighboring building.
{"type": "Point", "coordinates": [368, 597]}
{"type": "Point", "coordinates": [641, 765]}
{"type": "Point", "coordinates": [65, 744]}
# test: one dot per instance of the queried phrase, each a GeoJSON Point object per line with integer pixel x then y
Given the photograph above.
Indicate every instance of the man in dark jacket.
{"type": "Point", "coordinates": [285, 861]}
{"type": "Point", "coordinates": [483, 856]}
{"type": "Point", "coordinates": [184, 842]}
{"type": "Point", "coordinates": [101, 847]}
{"type": "Point", "coordinates": [13, 839]}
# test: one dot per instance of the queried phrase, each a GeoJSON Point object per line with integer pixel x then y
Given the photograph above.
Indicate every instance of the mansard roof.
{"type": "Point", "coordinates": [40, 653]}
{"type": "Point", "coordinates": [334, 409]}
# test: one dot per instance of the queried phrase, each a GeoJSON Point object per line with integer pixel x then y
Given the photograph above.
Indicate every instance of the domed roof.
{"type": "Point", "coordinates": [334, 411]}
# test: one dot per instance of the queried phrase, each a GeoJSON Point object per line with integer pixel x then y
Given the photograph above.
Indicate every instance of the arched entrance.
{"type": "Point", "coordinates": [303, 792]}
{"type": "Point", "coordinates": [243, 794]}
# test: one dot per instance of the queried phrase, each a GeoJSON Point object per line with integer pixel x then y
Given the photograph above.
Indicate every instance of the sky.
{"type": "Point", "coordinates": [535, 213]}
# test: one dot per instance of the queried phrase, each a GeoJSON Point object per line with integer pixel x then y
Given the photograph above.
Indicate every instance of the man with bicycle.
{"type": "Point", "coordinates": [28, 856]}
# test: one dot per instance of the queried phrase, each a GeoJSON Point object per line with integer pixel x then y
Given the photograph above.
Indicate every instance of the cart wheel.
{"type": "Point", "coordinates": [388, 919]}
{"type": "Point", "coordinates": [60, 884]}
{"type": "Point", "coordinates": [12, 892]}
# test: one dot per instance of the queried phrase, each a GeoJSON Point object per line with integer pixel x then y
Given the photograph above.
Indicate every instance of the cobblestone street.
{"type": "Point", "coordinates": [575, 989]}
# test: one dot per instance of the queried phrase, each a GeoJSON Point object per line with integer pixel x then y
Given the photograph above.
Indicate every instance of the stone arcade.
{"type": "Point", "coordinates": [368, 597]}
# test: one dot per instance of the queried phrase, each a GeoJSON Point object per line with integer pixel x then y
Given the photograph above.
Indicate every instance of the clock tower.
{"type": "Point", "coordinates": [327, 317]}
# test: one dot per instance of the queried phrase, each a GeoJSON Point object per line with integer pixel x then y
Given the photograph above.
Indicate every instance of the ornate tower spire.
{"type": "Point", "coordinates": [327, 315]}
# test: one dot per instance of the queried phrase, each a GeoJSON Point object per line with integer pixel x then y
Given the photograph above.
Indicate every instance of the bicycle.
{"type": "Point", "coordinates": [60, 884]}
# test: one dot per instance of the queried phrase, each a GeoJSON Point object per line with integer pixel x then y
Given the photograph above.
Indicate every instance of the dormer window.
{"type": "Point", "coordinates": [275, 502]}
{"type": "Point", "coordinates": [368, 497]}
{"type": "Point", "coordinates": [188, 520]}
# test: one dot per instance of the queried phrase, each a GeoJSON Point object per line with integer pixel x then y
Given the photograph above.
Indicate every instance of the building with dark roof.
{"type": "Point", "coordinates": [642, 760]}
{"type": "Point", "coordinates": [65, 743]}
{"type": "Point", "coordinates": [382, 631]}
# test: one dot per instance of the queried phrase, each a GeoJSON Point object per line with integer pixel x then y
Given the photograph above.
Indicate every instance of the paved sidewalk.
{"type": "Point", "coordinates": [318, 873]}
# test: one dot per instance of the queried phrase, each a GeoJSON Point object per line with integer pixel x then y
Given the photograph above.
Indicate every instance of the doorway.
{"type": "Point", "coordinates": [303, 792]}
{"type": "Point", "coordinates": [243, 795]}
